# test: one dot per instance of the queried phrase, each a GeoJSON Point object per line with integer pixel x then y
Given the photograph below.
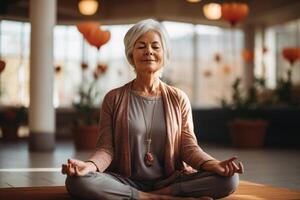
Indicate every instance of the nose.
{"type": "Point", "coordinates": [149, 51]}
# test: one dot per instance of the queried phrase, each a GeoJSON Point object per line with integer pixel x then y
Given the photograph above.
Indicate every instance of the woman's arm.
{"type": "Point", "coordinates": [104, 154]}
{"type": "Point", "coordinates": [102, 157]}
{"type": "Point", "coordinates": [191, 153]}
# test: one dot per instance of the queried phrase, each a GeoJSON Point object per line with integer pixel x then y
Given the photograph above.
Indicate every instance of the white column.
{"type": "Point", "coordinates": [248, 71]}
{"type": "Point", "coordinates": [41, 109]}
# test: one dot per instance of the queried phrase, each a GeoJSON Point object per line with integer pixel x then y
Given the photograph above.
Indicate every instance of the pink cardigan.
{"type": "Point", "coordinates": [113, 151]}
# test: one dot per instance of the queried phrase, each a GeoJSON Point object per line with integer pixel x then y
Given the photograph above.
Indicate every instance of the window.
{"type": "Point", "coordinates": [14, 49]}
{"type": "Point", "coordinates": [286, 35]}
{"type": "Point", "coordinates": [204, 78]}
{"type": "Point", "coordinates": [193, 67]}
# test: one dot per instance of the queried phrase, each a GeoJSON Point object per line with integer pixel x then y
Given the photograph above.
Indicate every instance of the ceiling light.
{"type": "Point", "coordinates": [88, 7]}
{"type": "Point", "coordinates": [212, 11]}
{"type": "Point", "coordinates": [193, 1]}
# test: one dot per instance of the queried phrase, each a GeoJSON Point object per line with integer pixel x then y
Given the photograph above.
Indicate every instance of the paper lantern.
{"type": "Point", "coordinates": [98, 38]}
{"type": "Point", "coordinates": [226, 69]}
{"type": "Point", "coordinates": [264, 50]}
{"type": "Point", "coordinates": [58, 69]}
{"type": "Point", "coordinates": [291, 54]}
{"type": "Point", "coordinates": [193, 1]}
{"type": "Point", "coordinates": [2, 65]}
{"type": "Point", "coordinates": [84, 66]}
{"type": "Point", "coordinates": [247, 55]}
{"type": "Point", "coordinates": [212, 11]}
{"type": "Point", "coordinates": [217, 57]}
{"type": "Point", "coordinates": [102, 68]}
{"type": "Point", "coordinates": [105, 37]}
{"type": "Point", "coordinates": [207, 73]}
{"type": "Point", "coordinates": [88, 7]}
{"type": "Point", "coordinates": [234, 12]}
{"type": "Point", "coordinates": [86, 27]}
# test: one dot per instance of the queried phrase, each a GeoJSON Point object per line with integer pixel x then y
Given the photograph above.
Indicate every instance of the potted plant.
{"type": "Point", "coordinates": [85, 127]}
{"type": "Point", "coordinates": [11, 119]}
{"type": "Point", "coordinates": [86, 130]}
{"type": "Point", "coordinates": [246, 128]}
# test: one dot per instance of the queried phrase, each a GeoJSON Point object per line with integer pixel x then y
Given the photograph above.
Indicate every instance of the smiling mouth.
{"type": "Point", "coordinates": [148, 60]}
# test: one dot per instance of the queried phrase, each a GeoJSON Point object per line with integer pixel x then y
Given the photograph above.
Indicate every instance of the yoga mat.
{"type": "Point", "coordinates": [246, 191]}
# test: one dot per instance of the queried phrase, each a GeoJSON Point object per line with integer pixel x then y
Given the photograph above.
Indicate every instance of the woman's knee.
{"type": "Point", "coordinates": [228, 185]}
{"type": "Point", "coordinates": [75, 185]}
{"type": "Point", "coordinates": [82, 187]}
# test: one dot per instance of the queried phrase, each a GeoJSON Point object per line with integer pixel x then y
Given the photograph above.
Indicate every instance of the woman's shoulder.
{"type": "Point", "coordinates": [176, 92]}
{"type": "Point", "coordinates": [114, 93]}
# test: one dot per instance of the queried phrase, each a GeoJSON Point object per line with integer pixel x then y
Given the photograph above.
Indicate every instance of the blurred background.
{"type": "Point", "coordinates": [235, 60]}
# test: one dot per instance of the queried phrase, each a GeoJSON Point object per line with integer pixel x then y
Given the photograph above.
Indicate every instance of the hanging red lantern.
{"type": "Point", "coordinates": [2, 65]}
{"type": "Point", "coordinates": [58, 69]}
{"type": "Point", "coordinates": [207, 73]}
{"type": "Point", "coordinates": [234, 12]}
{"type": "Point", "coordinates": [84, 66]}
{"type": "Point", "coordinates": [291, 54]}
{"type": "Point", "coordinates": [217, 57]}
{"type": "Point", "coordinates": [97, 37]}
{"type": "Point", "coordinates": [102, 68]}
{"type": "Point", "coordinates": [264, 50]}
{"type": "Point", "coordinates": [226, 69]}
{"type": "Point", "coordinates": [247, 55]}
{"type": "Point", "coordinates": [85, 27]}
{"type": "Point", "coordinates": [105, 37]}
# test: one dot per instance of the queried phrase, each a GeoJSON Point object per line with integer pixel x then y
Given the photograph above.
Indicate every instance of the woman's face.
{"type": "Point", "coordinates": [148, 53]}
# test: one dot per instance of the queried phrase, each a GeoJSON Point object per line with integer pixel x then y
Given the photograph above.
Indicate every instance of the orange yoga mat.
{"type": "Point", "coordinates": [254, 191]}
{"type": "Point", "coordinates": [246, 191]}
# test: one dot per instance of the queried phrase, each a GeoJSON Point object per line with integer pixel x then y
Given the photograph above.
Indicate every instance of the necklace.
{"type": "Point", "coordinates": [148, 158]}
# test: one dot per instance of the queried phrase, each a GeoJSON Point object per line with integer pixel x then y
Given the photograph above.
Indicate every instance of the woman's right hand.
{"type": "Point", "coordinates": [78, 168]}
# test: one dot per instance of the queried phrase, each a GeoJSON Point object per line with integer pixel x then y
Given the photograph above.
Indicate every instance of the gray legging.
{"type": "Point", "coordinates": [111, 186]}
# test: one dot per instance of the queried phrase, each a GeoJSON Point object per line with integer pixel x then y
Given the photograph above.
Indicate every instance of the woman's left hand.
{"type": "Point", "coordinates": [224, 168]}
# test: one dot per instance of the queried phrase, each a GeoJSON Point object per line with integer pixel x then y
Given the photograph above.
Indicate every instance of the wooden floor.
{"type": "Point", "coordinates": [21, 168]}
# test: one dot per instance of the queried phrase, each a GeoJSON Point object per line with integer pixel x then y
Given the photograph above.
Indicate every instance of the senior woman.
{"type": "Point", "coordinates": [147, 148]}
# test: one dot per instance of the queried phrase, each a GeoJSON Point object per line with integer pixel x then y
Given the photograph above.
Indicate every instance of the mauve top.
{"type": "Point", "coordinates": [182, 152]}
{"type": "Point", "coordinates": [137, 133]}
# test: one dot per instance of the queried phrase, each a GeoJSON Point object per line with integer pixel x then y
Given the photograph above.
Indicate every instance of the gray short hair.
{"type": "Point", "coordinates": [141, 28]}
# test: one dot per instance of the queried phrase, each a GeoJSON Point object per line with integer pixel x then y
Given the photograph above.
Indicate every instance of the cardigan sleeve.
{"type": "Point", "coordinates": [103, 155]}
{"type": "Point", "coordinates": [191, 152]}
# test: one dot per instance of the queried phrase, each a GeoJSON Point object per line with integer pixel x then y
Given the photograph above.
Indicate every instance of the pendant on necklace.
{"type": "Point", "coordinates": [149, 159]}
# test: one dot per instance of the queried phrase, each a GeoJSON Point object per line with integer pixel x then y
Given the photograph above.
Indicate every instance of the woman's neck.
{"type": "Point", "coordinates": [146, 85]}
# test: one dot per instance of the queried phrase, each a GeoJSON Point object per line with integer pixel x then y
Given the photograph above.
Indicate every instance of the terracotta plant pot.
{"type": "Point", "coordinates": [85, 137]}
{"type": "Point", "coordinates": [248, 133]}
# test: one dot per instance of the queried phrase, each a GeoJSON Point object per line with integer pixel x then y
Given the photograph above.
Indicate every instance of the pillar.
{"type": "Point", "coordinates": [41, 109]}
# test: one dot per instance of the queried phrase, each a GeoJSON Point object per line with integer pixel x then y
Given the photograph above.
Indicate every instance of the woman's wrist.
{"type": "Point", "coordinates": [205, 164]}
{"type": "Point", "coordinates": [92, 165]}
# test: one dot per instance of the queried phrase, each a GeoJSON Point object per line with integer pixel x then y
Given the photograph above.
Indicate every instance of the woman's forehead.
{"type": "Point", "coordinates": [151, 36]}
